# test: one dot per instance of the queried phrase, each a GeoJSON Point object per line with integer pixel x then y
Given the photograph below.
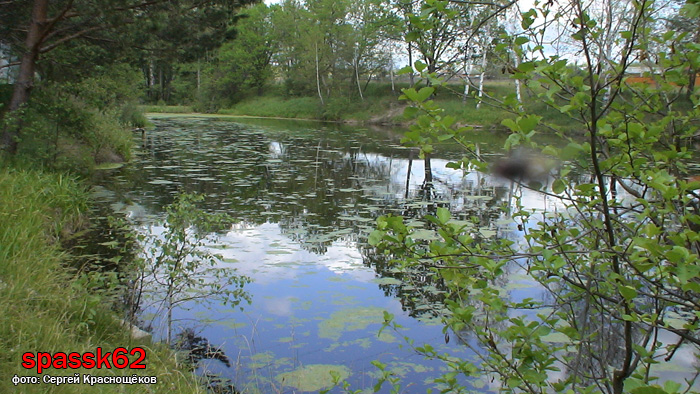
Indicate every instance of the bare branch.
{"type": "Point", "coordinates": [10, 65]}
{"type": "Point", "coordinates": [70, 37]}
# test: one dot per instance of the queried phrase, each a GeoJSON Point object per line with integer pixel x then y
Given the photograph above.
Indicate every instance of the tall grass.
{"type": "Point", "coordinates": [47, 307]}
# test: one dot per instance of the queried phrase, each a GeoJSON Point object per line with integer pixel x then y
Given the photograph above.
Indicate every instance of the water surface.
{"type": "Point", "coordinates": [303, 197]}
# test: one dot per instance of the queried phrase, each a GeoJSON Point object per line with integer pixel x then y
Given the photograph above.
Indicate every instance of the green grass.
{"type": "Point", "coordinates": [381, 104]}
{"type": "Point", "coordinates": [166, 109]}
{"type": "Point", "coordinates": [278, 107]}
{"type": "Point", "coordinates": [45, 306]}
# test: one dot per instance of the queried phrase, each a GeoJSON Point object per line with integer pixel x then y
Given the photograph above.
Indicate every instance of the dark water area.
{"type": "Point", "coordinates": [304, 196]}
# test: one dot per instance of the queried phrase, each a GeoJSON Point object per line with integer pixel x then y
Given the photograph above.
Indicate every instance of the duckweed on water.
{"type": "Point", "coordinates": [313, 377]}
{"type": "Point", "coordinates": [352, 319]}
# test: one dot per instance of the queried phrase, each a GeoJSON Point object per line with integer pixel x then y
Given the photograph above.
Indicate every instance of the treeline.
{"type": "Point", "coordinates": [328, 49]}
{"type": "Point", "coordinates": [70, 70]}
{"type": "Point", "coordinates": [211, 54]}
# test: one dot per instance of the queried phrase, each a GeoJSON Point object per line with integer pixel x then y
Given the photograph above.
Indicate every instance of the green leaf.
{"type": "Point", "coordinates": [424, 94]}
{"type": "Point", "coordinates": [375, 237]}
{"type": "Point", "coordinates": [412, 36]}
{"type": "Point", "coordinates": [405, 70]}
{"type": "Point", "coordinates": [526, 67]}
{"type": "Point", "coordinates": [410, 112]}
{"type": "Point", "coordinates": [628, 292]}
{"type": "Point", "coordinates": [411, 94]}
{"type": "Point", "coordinates": [528, 123]}
{"type": "Point", "coordinates": [558, 186]}
{"type": "Point", "coordinates": [443, 215]}
{"type": "Point", "coordinates": [510, 123]}
{"type": "Point", "coordinates": [648, 390]}
{"type": "Point", "coordinates": [521, 40]}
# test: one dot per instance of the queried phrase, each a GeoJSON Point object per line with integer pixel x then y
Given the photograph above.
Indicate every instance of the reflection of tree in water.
{"type": "Point", "coordinates": [318, 192]}
{"type": "Point", "coordinates": [317, 212]}
{"type": "Point", "coordinates": [421, 288]}
{"type": "Point", "coordinates": [198, 349]}
{"type": "Point", "coordinates": [600, 336]}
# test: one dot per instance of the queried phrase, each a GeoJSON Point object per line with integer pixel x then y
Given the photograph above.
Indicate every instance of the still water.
{"type": "Point", "coordinates": [303, 198]}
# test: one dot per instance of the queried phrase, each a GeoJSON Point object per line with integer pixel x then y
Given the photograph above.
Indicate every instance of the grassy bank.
{"type": "Point", "coordinates": [46, 306]}
{"type": "Point", "coordinates": [381, 105]}
{"type": "Point", "coordinates": [167, 109]}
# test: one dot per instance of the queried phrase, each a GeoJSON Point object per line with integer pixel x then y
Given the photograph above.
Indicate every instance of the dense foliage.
{"type": "Point", "coordinates": [70, 42]}
{"type": "Point", "coordinates": [615, 249]}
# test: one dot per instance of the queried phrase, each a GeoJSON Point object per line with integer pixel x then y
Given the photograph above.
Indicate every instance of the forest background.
{"type": "Point", "coordinates": [77, 72]}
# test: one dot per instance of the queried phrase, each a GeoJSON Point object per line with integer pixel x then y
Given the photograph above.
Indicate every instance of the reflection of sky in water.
{"type": "Point", "coordinates": [266, 254]}
{"type": "Point", "coordinates": [311, 308]}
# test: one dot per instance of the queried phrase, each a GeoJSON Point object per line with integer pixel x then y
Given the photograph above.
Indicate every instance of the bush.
{"type": "Point", "coordinates": [132, 115]}
{"type": "Point", "coordinates": [72, 126]}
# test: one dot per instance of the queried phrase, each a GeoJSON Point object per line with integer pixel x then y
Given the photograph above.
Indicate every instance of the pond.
{"type": "Point", "coordinates": [304, 197]}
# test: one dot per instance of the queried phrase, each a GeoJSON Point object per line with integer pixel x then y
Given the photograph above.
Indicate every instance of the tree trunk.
{"type": "Point", "coordinates": [357, 76]}
{"type": "Point", "coordinates": [428, 180]}
{"type": "Point", "coordinates": [318, 78]}
{"type": "Point", "coordinates": [25, 77]}
{"type": "Point", "coordinates": [161, 94]}
{"type": "Point", "coordinates": [410, 61]}
{"type": "Point", "coordinates": [152, 80]}
{"type": "Point", "coordinates": [481, 78]}
{"type": "Point", "coordinates": [518, 94]}
{"type": "Point", "coordinates": [692, 72]}
{"type": "Point", "coordinates": [199, 77]}
{"type": "Point", "coordinates": [408, 172]}
{"type": "Point", "coordinates": [467, 81]}
{"type": "Point", "coordinates": [692, 76]}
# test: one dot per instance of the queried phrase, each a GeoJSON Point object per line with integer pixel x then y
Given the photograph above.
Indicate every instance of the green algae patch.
{"type": "Point", "coordinates": [351, 319]}
{"type": "Point", "coordinates": [232, 323]}
{"type": "Point", "coordinates": [313, 377]}
{"type": "Point", "coordinates": [260, 360]}
{"type": "Point", "coordinates": [386, 337]}
{"type": "Point", "coordinates": [109, 166]}
{"type": "Point", "coordinates": [364, 343]}
{"type": "Point", "coordinates": [387, 281]}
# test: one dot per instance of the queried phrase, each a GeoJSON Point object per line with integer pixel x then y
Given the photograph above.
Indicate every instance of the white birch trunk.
{"type": "Point", "coordinates": [357, 75]}
{"type": "Point", "coordinates": [467, 82]}
{"type": "Point", "coordinates": [318, 78]}
{"type": "Point", "coordinates": [391, 71]}
{"type": "Point", "coordinates": [481, 77]}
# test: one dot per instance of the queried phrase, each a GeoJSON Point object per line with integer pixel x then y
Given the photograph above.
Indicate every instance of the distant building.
{"type": "Point", "coordinates": [643, 73]}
